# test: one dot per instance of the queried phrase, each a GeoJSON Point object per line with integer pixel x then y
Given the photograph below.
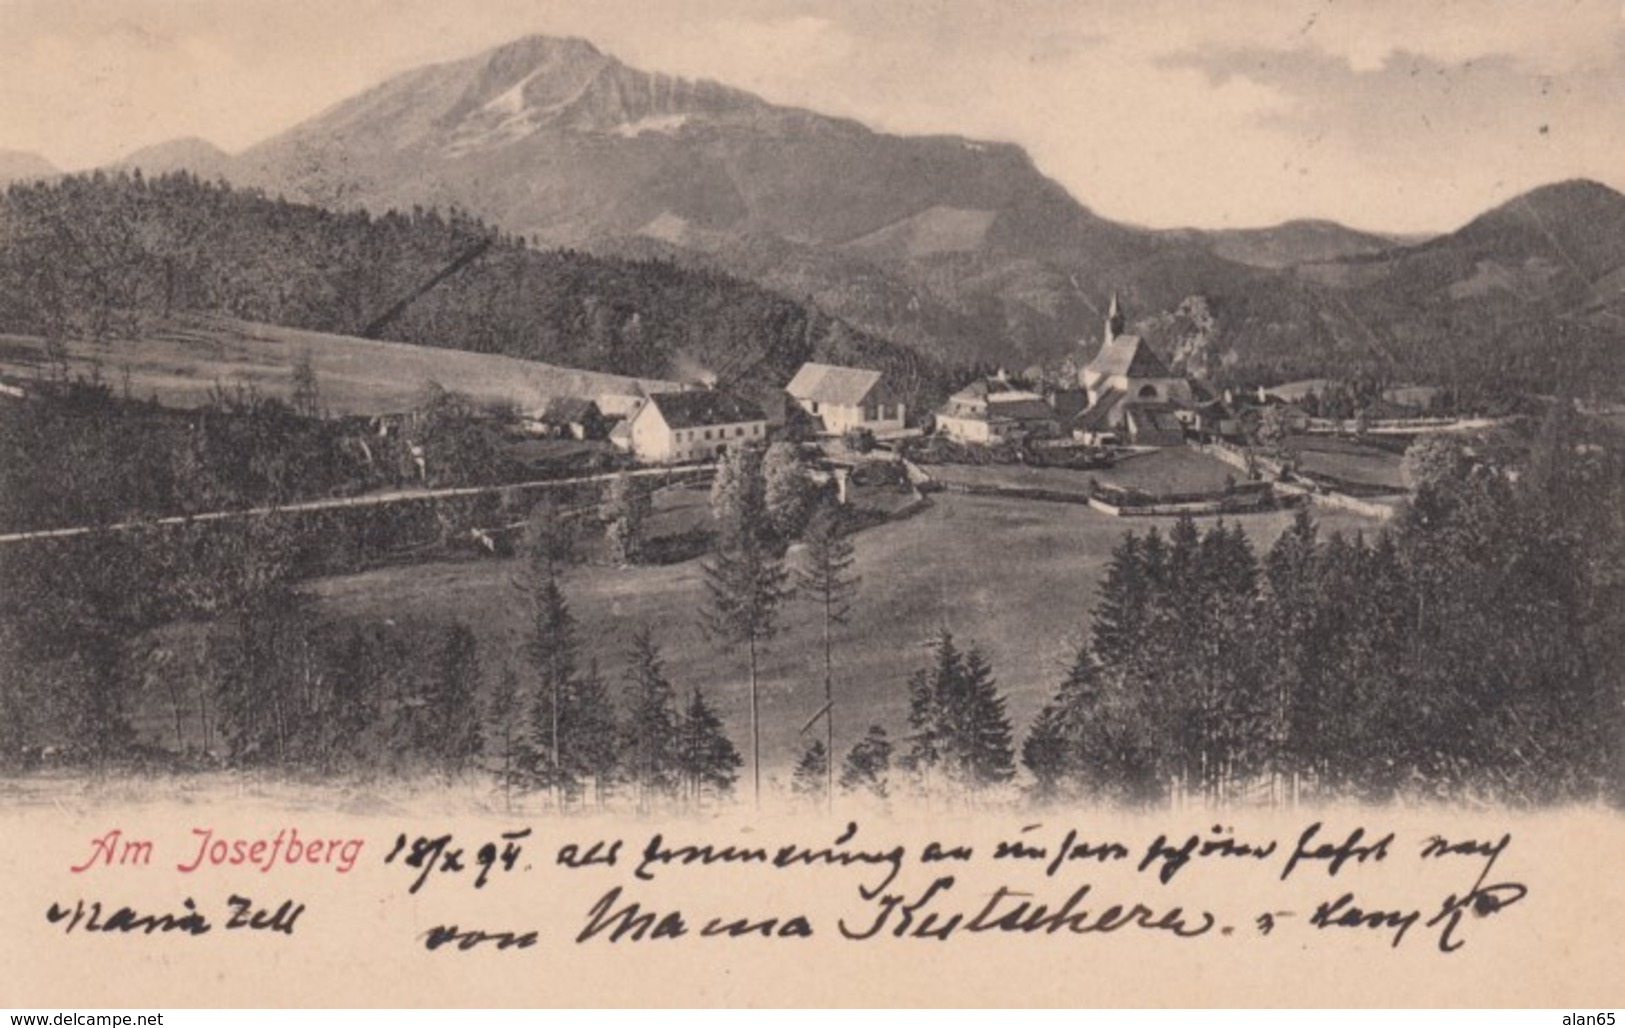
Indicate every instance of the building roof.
{"type": "Point", "coordinates": [1020, 408]}
{"type": "Point", "coordinates": [621, 405]}
{"type": "Point", "coordinates": [994, 390]}
{"type": "Point", "coordinates": [830, 383]}
{"type": "Point", "coordinates": [1098, 417]}
{"type": "Point", "coordinates": [1115, 409]}
{"type": "Point", "coordinates": [569, 410]}
{"type": "Point", "coordinates": [989, 399]}
{"type": "Point", "coordinates": [700, 407]}
{"type": "Point", "coordinates": [1130, 357]}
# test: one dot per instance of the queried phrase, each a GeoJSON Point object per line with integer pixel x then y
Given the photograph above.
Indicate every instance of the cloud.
{"type": "Point", "coordinates": [1385, 113]}
{"type": "Point", "coordinates": [1482, 128]}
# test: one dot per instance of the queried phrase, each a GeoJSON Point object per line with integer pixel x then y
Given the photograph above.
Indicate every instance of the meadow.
{"type": "Point", "coordinates": [1017, 578]}
{"type": "Point", "coordinates": [181, 361]}
{"type": "Point", "coordinates": [1348, 461]}
{"type": "Point", "coordinates": [1174, 469]}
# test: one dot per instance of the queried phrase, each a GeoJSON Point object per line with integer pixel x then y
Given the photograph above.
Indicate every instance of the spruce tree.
{"type": "Point", "coordinates": [551, 650]}
{"type": "Point", "coordinates": [825, 579]}
{"type": "Point", "coordinates": [505, 721]}
{"type": "Point", "coordinates": [451, 717]}
{"type": "Point", "coordinates": [746, 585]}
{"type": "Point", "coordinates": [550, 646]}
{"type": "Point", "coordinates": [929, 700]}
{"type": "Point", "coordinates": [593, 742]}
{"type": "Point", "coordinates": [811, 777]}
{"type": "Point", "coordinates": [987, 757]}
{"type": "Point", "coordinates": [1045, 752]}
{"type": "Point", "coordinates": [1118, 625]}
{"type": "Point", "coordinates": [958, 720]}
{"type": "Point", "coordinates": [649, 740]}
{"type": "Point", "coordinates": [707, 762]}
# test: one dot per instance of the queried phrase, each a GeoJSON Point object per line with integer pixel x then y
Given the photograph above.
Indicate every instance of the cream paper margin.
{"type": "Point", "coordinates": [360, 941]}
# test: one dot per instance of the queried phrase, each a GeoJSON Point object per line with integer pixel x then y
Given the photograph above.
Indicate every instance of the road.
{"type": "Point", "coordinates": [341, 502]}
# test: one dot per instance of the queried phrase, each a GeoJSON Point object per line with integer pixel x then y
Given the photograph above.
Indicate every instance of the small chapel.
{"type": "Point", "coordinates": [1133, 396]}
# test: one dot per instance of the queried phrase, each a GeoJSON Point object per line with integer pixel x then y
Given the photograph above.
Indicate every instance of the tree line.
{"type": "Point", "coordinates": [109, 256]}
{"type": "Point", "coordinates": [1471, 650]}
{"type": "Point", "coordinates": [1475, 648]}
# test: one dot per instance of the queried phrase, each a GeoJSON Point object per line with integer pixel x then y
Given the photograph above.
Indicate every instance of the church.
{"type": "Point", "coordinates": [1133, 397]}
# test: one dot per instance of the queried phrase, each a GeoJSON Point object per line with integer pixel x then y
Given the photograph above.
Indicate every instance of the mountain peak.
{"type": "Point", "coordinates": [1570, 198]}
{"type": "Point", "coordinates": [540, 46]}
{"type": "Point", "coordinates": [517, 89]}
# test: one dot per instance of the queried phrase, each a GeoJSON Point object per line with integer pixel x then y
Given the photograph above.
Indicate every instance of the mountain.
{"type": "Point", "coordinates": [958, 249]}
{"type": "Point", "coordinates": [21, 165]}
{"type": "Point", "coordinates": [176, 245]}
{"type": "Point", "coordinates": [552, 138]}
{"type": "Point", "coordinates": [198, 156]}
{"type": "Point", "coordinates": [955, 244]}
{"type": "Point", "coordinates": [1291, 243]}
{"type": "Point", "coordinates": [1531, 293]}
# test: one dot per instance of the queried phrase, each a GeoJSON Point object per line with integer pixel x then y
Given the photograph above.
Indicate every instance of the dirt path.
{"type": "Point", "coordinates": [337, 503]}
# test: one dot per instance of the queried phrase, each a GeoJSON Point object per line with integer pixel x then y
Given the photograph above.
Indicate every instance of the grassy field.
{"type": "Point", "coordinates": [182, 361]}
{"type": "Point", "coordinates": [1175, 469]}
{"type": "Point", "coordinates": [1349, 461]}
{"type": "Point", "coordinates": [1016, 577]}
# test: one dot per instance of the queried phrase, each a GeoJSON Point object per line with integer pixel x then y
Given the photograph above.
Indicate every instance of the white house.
{"type": "Point", "coordinates": [841, 399]}
{"type": "Point", "coordinates": [992, 410]}
{"type": "Point", "coordinates": [695, 425]}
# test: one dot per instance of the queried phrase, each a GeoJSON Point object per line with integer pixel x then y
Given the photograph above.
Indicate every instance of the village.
{"type": "Point", "coordinates": [1026, 482]}
{"type": "Point", "coordinates": [1124, 436]}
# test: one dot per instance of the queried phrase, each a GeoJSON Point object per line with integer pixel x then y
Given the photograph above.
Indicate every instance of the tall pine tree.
{"type": "Point", "coordinates": [826, 580]}
{"type": "Point", "coordinates": [746, 584]}
{"type": "Point", "coordinates": [649, 743]}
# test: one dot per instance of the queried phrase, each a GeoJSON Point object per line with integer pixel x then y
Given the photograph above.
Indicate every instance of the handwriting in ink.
{"type": "Point", "coordinates": [1010, 911]}
{"type": "Point", "coordinates": [1336, 855]}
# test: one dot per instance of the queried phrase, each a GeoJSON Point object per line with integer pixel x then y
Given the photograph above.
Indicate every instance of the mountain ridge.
{"type": "Point", "coordinates": [25, 165]}
{"type": "Point", "coordinates": [958, 248]}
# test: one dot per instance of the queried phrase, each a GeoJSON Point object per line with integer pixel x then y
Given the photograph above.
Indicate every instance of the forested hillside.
{"type": "Point", "coordinates": [106, 256]}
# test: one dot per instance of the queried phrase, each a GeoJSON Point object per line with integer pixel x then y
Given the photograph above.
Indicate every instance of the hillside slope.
{"type": "Point", "coordinates": [172, 244]}
{"type": "Point", "coordinates": [182, 359]}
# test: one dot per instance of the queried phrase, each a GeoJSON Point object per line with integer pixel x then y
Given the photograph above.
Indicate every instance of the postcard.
{"type": "Point", "coordinates": [805, 503]}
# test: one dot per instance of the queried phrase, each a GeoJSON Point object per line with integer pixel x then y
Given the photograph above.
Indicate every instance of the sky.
{"type": "Point", "coordinates": [1391, 115]}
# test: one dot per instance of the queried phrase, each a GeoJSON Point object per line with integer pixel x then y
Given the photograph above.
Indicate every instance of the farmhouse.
{"type": "Point", "coordinates": [572, 417]}
{"type": "Point", "coordinates": [694, 425]}
{"type": "Point", "coordinates": [992, 410]}
{"type": "Point", "coordinates": [1133, 396]}
{"type": "Point", "coordinates": [841, 399]}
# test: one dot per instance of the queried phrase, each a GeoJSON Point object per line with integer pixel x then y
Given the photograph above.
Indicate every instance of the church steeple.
{"type": "Point", "coordinates": [1114, 319]}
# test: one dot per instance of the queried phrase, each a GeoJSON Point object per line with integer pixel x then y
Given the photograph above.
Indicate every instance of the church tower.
{"type": "Point", "coordinates": [1114, 320]}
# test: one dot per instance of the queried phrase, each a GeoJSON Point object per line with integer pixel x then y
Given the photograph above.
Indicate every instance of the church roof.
{"type": "Point", "coordinates": [1129, 356]}
{"type": "Point", "coordinates": [1099, 416]}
